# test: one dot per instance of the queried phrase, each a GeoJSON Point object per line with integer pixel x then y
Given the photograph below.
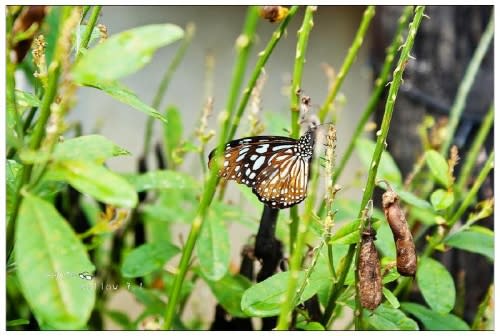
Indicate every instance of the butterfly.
{"type": "Point", "coordinates": [275, 167]}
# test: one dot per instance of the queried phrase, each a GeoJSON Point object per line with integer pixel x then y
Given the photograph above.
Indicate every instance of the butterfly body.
{"type": "Point", "coordinates": [275, 167]}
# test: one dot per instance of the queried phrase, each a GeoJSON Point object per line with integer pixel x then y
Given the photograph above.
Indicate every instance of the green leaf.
{"type": "Point", "coordinates": [313, 326]}
{"type": "Point", "coordinates": [442, 199]}
{"type": "Point", "coordinates": [88, 147]}
{"type": "Point", "coordinates": [49, 257]}
{"type": "Point", "coordinates": [95, 180]}
{"type": "Point", "coordinates": [17, 322]}
{"type": "Point", "coordinates": [229, 291]}
{"type": "Point", "coordinates": [213, 247]}
{"type": "Point", "coordinates": [475, 242]}
{"type": "Point", "coordinates": [390, 276]}
{"type": "Point", "coordinates": [436, 285]}
{"type": "Point", "coordinates": [124, 53]}
{"type": "Point", "coordinates": [125, 95]}
{"type": "Point", "coordinates": [148, 298]}
{"type": "Point", "coordinates": [432, 320]}
{"type": "Point", "coordinates": [172, 132]}
{"type": "Point", "coordinates": [78, 34]}
{"type": "Point", "coordinates": [13, 173]}
{"type": "Point", "coordinates": [387, 169]}
{"type": "Point", "coordinates": [161, 179]}
{"type": "Point", "coordinates": [393, 300]}
{"type": "Point", "coordinates": [347, 234]}
{"type": "Point", "coordinates": [385, 241]}
{"type": "Point", "coordinates": [147, 258]}
{"type": "Point", "coordinates": [264, 298]}
{"type": "Point", "coordinates": [412, 199]}
{"type": "Point", "coordinates": [119, 318]}
{"type": "Point", "coordinates": [25, 99]}
{"type": "Point", "coordinates": [438, 166]}
{"type": "Point", "coordinates": [386, 317]}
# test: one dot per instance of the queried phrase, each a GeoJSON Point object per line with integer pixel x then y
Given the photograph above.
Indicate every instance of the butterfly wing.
{"type": "Point", "coordinates": [270, 166]}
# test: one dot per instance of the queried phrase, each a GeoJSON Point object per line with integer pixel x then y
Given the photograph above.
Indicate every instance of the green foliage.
{"type": "Point", "coordinates": [67, 212]}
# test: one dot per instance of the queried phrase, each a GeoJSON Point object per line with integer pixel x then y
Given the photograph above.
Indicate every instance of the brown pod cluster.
{"type": "Point", "coordinates": [369, 276]}
{"type": "Point", "coordinates": [405, 247]}
{"type": "Point", "coordinates": [273, 13]}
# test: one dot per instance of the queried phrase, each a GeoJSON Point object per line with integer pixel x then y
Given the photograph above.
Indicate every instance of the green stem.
{"type": "Point", "coordinates": [466, 84]}
{"type": "Point", "coordinates": [300, 58]}
{"type": "Point", "coordinates": [469, 198]}
{"type": "Point", "coordinates": [473, 153]}
{"type": "Point", "coordinates": [350, 57]}
{"type": "Point", "coordinates": [477, 324]}
{"type": "Point", "coordinates": [211, 185]}
{"type": "Point", "coordinates": [377, 154]}
{"type": "Point", "coordinates": [90, 27]}
{"type": "Point", "coordinates": [262, 60]}
{"type": "Point", "coordinates": [165, 82]}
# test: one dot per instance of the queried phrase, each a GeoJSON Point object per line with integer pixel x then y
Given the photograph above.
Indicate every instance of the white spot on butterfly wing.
{"type": "Point", "coordinates": [262, 149]}
{"type": "Point", "coordinates": [258, 163]}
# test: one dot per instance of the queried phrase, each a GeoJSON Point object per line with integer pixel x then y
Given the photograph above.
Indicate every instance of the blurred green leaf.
{"type": "Point", "coordinates": [385, 240]}
{"type": "Point", "coordinates": [475, 242]}
{"type": "Point", "coordinates": [438, 166]}
{"type": "Point", "coordinates": [347, 234]}
{"type": "Point", "coordinates": [386, 317]}
{"type": "Point", "coordinates": [78, 33]}
{"type": "Point", "coordinates": [13, 173]}
{"type": "Point", "coordinates": [186, 287]}
{"type": "Point", "coordinates": [172, 131]}
{"type": "Point", "coordinates": [393, 300]}
{"type": "Point", "coordinates": [17, 322]}
{"type": "Point", "coordinates": [26, 99]}
{"type": "Point", "coordinates": [313, 326]}
{"type": "Point", "coordinates": [119, 318]}
{"type": "Point", "coordinates": [125, 95]}
{"type": "Point", "coordinates": [147, 258]}
{"type": "Point", "coordinates": [436, 285]}
{"type": "Point", "coordinates": [213, 247]}
{"type": "Point", "coordinates": [149, 298]}
{"type": "Point", "coordinates": [387, 168]}
{"type": "Point", "coordinates": [433, 320]}
{"type": "Point", "coordinates": [133, 48]}
{"type": "Point", "coordinates": [229, 291]}
{"type": "Point", "coordinates": [95, 180]}
{"type": "Point", "coordinates": [49, 257]}
{"type": "Point", "coordinates": [92, 147]}
{"type": "Point", "coordinates": [264, 298]}
{"type": "Point", "coordinates": [161, 179]}
{"type": "Point", "coordinates": [412, 199]}
{"type": "Point", "coordinates": [391, 275]}
{"type": "Point", "coordinates": [442, 199]}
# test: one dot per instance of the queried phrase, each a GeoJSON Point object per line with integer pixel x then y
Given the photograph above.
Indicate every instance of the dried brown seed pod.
{"type": "Point", "coordinates": [369, 276]}
{"type": "Point", "coordinates": [273, 13]}
{"type": "Point", "coordinates": [405, 247]}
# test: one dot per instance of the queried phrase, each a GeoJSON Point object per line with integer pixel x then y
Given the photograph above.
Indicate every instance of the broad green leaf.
{"type": "Point", "coordinates": [385, 240]}
{"type": "Point", "coordinates": [49, 257]}
{"type": "Point", "coordinates": [412, 199]}
{"type": "Point", "coordinates": [347, 234]}
{"type": "Point", "coordinates": [124, 95]}
{"type": "Point", "coordinates": [172, 131]}
{"type": "Point", "coordinates": [264, 298]}
{"type": "Point", "coordinates": [387, 168]}
{"type": "Point", "coordinates": [475, 242]}
{"type": "Point", "coordinates": [95, 180]}
{"type": "Point", "coordinates": [313, 326]}
{"type": "Point", "coordinates": [148, 258]}
{"type": "Point", "coordinates": [393, 300]}
{"type": "Point", "coordinates": [436, 285]}
{"type": "Point", "coordinates": [213, 247]}
{"type": "Point", "coordinates": [442, 199]}
{"type": "Point", "coordinates": [25, 99]}
{"type": "Point", "coordinates": [438, 166]}
{"type": "Point", "coordinates": [92, 147]}
{"type": "Point", "coordinates": [433, 320]}
{"type": "Point", "coordinates": [161, 179]}
{"type": "Point", "coordinates": [390, 276]}
{"type": "Point", "coordinates": [386, 317]}
{"type": "Point", "coordinates": [229, 291]}
{"type": "Point", "coordinates": [124, 53]}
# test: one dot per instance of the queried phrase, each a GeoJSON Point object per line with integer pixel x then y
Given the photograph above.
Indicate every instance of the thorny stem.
{"type": "Point", "coordinates": [300, 58]}
{"type": "Point", "coordinates": [466, 84]}
{"type": "Point", "coordinates": [165, 81]}
{"type": "Point", "coordinates": [377, 154]}
{"type": "Point", "coordinates": [349, 59]}
{"type": "Point", "coordinates": [90, 27]}
{"type": "Point", "coordinates": [212, 180]}
{"type": "Point", "coordinates": [473, 153]}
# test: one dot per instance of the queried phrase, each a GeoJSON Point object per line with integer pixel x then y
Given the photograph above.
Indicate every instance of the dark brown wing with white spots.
{"type": "Point", "coordinates": [276, 168]}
